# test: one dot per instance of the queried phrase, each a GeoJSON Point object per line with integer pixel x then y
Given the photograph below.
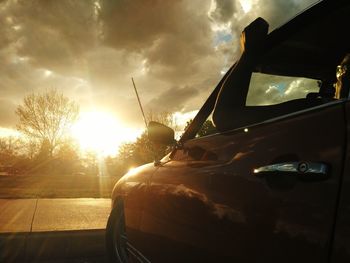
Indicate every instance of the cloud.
{"type": "Point", "coordinates": [168, 101]}
{"type": "Point", "coordinates": [5, 24]}
{"type": "Point", "coordinates": [174, 50]}
{"type": "Point", "coordinates": [173, 37]}
{"type": "Point", "coordinates": [222, 11]}
{"type": "Point", "coordinates": [7, 113]}
{"type": "Point", "coordinates": [135, 25]}
{"type": "Point", "coordinates": [278, 12]}
{"type": "Point", "coordinates": [53, 34]}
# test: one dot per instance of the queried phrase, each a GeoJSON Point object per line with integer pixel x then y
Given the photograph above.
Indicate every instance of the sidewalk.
{"type": "Point", "coordinates": [41, 229]}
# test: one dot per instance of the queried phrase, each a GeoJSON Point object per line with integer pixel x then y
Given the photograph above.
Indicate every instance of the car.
{"type": "Point", "coordinates": [275, 190]}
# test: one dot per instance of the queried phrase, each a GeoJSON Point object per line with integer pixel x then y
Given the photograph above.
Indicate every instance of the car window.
{"type": "Point", "coordinates": [207, 128]}
{"type": "Point", "coordinates": [266, 89]}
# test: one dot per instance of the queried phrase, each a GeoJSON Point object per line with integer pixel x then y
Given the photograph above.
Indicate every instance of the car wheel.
{"type": "Point", "coordinates": [116, 241]}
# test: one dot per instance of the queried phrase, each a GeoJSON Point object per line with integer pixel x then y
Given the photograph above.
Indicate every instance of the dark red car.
{"type": "Point", "coordinates": [272, 191]}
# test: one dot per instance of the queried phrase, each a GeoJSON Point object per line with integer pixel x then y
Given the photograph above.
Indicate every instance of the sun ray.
{"type": "Point", "coordinates": [102, 133]}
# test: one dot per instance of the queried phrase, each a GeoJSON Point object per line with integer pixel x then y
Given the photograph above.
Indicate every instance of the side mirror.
{"type": "Point", "coordinates": [160, 134]}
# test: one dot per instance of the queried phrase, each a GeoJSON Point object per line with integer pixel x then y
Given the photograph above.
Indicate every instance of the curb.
{"type": "Point", "coordinates": [53, 245]}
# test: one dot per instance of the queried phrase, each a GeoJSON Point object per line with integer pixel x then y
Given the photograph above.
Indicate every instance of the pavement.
{"type": "Point", "coordinates": [38, 230]}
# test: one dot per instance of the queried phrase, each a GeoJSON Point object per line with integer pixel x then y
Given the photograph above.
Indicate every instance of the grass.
{"type": "Point", "coordinates": [55, 186]}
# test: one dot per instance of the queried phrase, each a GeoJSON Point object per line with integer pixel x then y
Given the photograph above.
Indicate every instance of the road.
{"type": "Point", "coordinates": [36, 230]}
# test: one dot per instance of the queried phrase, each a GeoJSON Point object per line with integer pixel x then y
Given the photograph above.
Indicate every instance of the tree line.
{"type": "Point", "coordinates": [44, 120]}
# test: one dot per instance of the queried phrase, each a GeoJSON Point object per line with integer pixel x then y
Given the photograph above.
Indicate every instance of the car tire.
{"type": "Point", "coordinates": [116, 243]}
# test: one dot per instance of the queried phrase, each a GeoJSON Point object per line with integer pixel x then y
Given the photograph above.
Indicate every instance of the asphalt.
{"type": "Point", "coordinates": [45, 230]}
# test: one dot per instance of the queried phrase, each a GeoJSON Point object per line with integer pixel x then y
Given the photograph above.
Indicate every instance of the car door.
{"type": "Point", "coordinates": [261, 193]}
{"type": "Point", "coordinates": [341, 244]}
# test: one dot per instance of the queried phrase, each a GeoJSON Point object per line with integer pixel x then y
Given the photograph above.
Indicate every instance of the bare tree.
{"type": "Point", "coordinates": [46, 117]}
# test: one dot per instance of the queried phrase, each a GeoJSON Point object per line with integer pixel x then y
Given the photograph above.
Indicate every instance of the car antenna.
{"type": "Point", "coordinates": [156, 161]}
{"type": "Point", "coordinates": [138, 99]}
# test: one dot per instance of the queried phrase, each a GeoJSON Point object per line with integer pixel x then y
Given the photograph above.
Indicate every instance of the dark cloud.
{"type": "Point", "coordinates": [223, 10]}
{"type": "Point", "coordinates": [135, 25]}
{"type": "Point", "coordinates": [5, 23]}
{"type": "Point", "coordinates": [172, 36]}
{"type": "Point", "coordinates": [173, 99]}
{"type": "Point", "coordinates": [53, 34]}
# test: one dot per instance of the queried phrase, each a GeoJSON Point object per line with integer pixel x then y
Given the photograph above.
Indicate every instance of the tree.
{"type": "Point", "coordinates": [90, 163]}
{"type": "Point", "coordinates": [67, 159]}
{"type": "Point", "coordinates": [12, 157]}
{"type": "Point", "coordinates": [9, 146]}
{"type": "Point", "coordinates": [141, 151]}
{"type": "Point", "coordinates": [47, 117]}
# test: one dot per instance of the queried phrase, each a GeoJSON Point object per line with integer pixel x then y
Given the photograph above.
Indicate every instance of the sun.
{"type": "Point", "coordinates": [102, 133]}
{"type": "Point", "coordinates": [246, 5]}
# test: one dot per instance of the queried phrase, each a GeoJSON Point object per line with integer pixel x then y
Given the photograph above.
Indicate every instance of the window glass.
{"type": "Point", "coordinates": [207, 128]}
{"type": "Point", "coordinates": [265, 89]}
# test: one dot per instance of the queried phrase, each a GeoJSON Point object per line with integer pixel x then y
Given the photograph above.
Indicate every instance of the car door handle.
{"type": "Point", "coordinates": [304, 170]}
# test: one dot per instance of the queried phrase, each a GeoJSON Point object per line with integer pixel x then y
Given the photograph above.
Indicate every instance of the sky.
{"type": "Point", "coordinates": [176, 51]}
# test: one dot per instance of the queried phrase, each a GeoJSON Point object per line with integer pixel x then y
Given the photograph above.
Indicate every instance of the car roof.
{"type": "Point", "coordinates": [311, 44]}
